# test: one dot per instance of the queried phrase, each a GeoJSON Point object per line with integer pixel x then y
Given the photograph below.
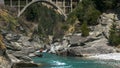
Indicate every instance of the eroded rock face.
{"type": "Point", "coordinates": [92, 48]}
{"type": "Point", "coordinates": [5, 61]}
{"type": "Point", "coordinates": [16, 49]}
{"type": "Point", "coordinates": [105, 22]}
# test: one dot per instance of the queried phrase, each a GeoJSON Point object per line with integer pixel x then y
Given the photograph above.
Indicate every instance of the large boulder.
{"type": "Point", "coordinates": [92, 48]}
{"type": "Point", "coordinates": [78, 40]}
{"type": "Point", "coordinates": [16, 46]}
{"type": "Point", "coordinates": [22, 56]}
{"type": "Point", "coordinates": [58, 47]}
{"type": "Point", "coordinates": [12, 37]}
{"type": "Point", "coordinates": [28, 50]}
{"type": "Point", "coordinates": [105, 22]}
{"type": "Point", "coordinates": [13, 58]}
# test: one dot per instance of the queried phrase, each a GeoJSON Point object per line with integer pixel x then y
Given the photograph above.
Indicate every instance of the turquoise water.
{"type": "Point", "coordinates": [54, 61]}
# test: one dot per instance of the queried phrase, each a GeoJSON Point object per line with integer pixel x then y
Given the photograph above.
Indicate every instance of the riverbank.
{"type": "Point", "coordinates": [110, 56]}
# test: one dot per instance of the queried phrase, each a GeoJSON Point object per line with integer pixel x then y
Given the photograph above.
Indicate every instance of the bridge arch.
{"type": "Point", "coordinates": [45, 1]}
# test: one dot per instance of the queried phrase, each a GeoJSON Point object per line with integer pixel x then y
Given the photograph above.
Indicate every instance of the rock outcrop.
{"type": "Point", "coordinates": [95, 43]}
{"type": "Point", "coordinates": [5, 61]}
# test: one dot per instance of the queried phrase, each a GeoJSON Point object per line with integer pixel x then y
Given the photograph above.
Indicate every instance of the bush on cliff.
{"type": "Point", "coordinates": [85, 11]}
{"type": "Point", "coordinates": [114, 37]}
{"type": "Point", "coordinates": [84, 29]}
{"type": "Point", "coordinates": [7, 21]}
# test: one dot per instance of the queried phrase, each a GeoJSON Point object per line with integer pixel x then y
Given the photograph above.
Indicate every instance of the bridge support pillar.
{"type": "Point", "coordinates": [10, 3]}
{"type": "Point", "coordinates": [26, 2]}
{"type": "Point", "coordinates": [18, 6]}
{"type": "Point", "coordinates": [71, 5]}
{"type": "Point", "coordinates": [64, 6]}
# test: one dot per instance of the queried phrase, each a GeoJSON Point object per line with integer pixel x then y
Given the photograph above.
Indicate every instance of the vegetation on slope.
{"type": "Point", "coordinates": [49, 22]}
{"type": "Point", "coordinates": [89, 11]}
{"type": "Point", "coordinates": [84, 29]}
{"type": "Point", "coordinates": [7, 21]}
{"type": "Point", "coordinates": [114, 37]}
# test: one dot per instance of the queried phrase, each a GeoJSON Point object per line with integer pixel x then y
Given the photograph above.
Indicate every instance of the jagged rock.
{"type": "Point", "coordinates": [18, 53]}
{"type": "Point", "coordinates": [105, 22]}
{"type": "Point", "coordinates": [12, 37]}
{"type": "Point", "coordinates": [16, 46]}
{"type": "Point", "coordinates": [92, 48]}
{"type": "Point", "coordinates": [5, 61]}
{"type": "Point", "coordinates": [23, 39]}
{"type": "Point", "coordinates": [13, 59]}
{"type": "Point", "coordinates": [26, 43]}
{"type": "Point", "coordinates": [58, 47]}
{"type": "Point", "coordinates": [25, 59]}
{"type": "Point", "coordinates": [8, 36]}
{"type": "Point", "coordinates": [28, 50]}
{"type": "Point", "coordinates": [21, 56]}
{"type": "Point", "coordinates": [78, 40]}
{"type": "Point", "coordinates": [62, 52]}
{"type": "Point", "coordinates": [37, 45]}
{"type": "Point", "coordinates": [31, 55]}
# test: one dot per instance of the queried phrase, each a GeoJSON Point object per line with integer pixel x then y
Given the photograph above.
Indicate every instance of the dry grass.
{"type": "Point", "coordinates": [2, 45]}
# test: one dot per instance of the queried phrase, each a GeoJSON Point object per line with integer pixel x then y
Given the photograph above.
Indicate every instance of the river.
{"type": "Point", "coordinates": [54, 61]}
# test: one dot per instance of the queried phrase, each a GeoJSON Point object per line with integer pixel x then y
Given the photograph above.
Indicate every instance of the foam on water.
{"type": "Point", "coordinates": [59, 63]}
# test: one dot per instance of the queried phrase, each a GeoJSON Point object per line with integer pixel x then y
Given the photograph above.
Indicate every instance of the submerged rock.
{"type": "Point", "coordinates": [25, 65]}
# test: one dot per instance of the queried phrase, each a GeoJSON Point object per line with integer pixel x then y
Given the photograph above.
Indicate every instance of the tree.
{"type": "Point", "coordinates": [86, 11]}
{"type": "Point", "coordinates": [84, 29]}
{"type": "Point", "coordinates": [114, 37]}
{"type": "Point", "coordinates": [104, 5]}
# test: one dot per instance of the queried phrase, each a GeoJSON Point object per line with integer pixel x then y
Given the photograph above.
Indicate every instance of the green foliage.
{"type": "Point", "coordinates": [8, 19]}
{"type": "Point", "coordinates": [114, 37]}
{"type": "Point", "coordinates": [84, 29]}
{"type": "Point", "coordinates": [32, 13]}
{"type": "Point", "coordinates": [46, 18]}
{"type": "Point", "coordinates": [104, 5]}
{"type": "Point", "coordinates": [71, 17]}
{"type": "Point", "coordinates": [90, 10]}
{"type": "Point", "coordinates": [85, 11]}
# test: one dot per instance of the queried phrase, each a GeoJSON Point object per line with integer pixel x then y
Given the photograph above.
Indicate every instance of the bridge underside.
{"type": "Point", "coordinates": [67, 6]}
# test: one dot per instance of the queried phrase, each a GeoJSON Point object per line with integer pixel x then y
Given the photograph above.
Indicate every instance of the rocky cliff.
{"type": "Point", "coordinates": [16, 47]}
{"type": "Point", "coordinates": [95, 43]}
{"type": "Point", "coordinates": [5, 61]}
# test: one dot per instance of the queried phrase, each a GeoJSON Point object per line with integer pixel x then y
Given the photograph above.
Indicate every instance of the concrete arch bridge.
{"type": "Point", "coordinates": [62, 6]}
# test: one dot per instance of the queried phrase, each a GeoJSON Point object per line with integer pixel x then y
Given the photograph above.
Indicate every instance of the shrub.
{"type": "Point", "coordinates": [85, 11]}
{"type": "Point", "coordinates": [84, 29]}
{"type": "Point", "coordinates": [114, 37]}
